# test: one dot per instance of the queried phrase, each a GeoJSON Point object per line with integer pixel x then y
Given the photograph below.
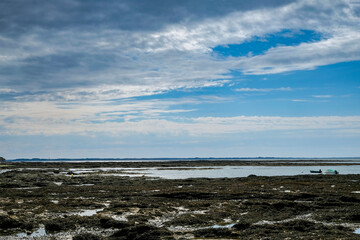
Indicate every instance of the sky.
{"type": "Point", "coordinates": [169, 78]}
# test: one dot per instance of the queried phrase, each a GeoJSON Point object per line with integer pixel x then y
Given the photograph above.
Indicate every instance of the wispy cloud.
{"type": "Point", "coordinates": [322, 96]}
{"type": "Point", "coordinates": [99, 112]}
{"type": "Point", "coordinates": [263, 89]}
{"type": "Point", "coordinates": [145, 117]}
{"type": "Point", "coordinates": [342, 47]}
{"type": "Point", "coordinates": [88, 67]}
{"type": "Point", "coordinates": [134, 56]}
{"type": "Point", "coordinates": [7, 91]}
{"type": "Point", "coordinates": [300, 100]}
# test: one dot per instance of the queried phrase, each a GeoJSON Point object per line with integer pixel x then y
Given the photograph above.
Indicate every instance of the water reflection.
{"type": "Point", "coordinates": [88, 212]}
{"type": "Point", "coordinates": [241, 171]}
{"type": "Point", "coordinates": [38, 233]}
{"type": "Point", "coordinates": [223, 226]}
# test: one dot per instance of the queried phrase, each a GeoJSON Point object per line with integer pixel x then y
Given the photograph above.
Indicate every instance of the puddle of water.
{"type": "Point", "coordinates": [38, 233]}
{"type": "Point", "coordinates": [223, 226]}
{"type": "Point", "coordinates": [299, 217]}
{"type": "Point", "coordinates": [122, 217]}
{"type": "Point", "coordinates": [357, 231]}
{"type": "Point", "coordinates": [181, 208]}
{"type": "Point", "coordinates": [122, 174]}
{"type": "Point", "coordinates": [88, 213]}
{"type": "Point", "coordinates": [188, 228]}
{"type": "Point", "coordinates": [82, 185]}
{"type": "Point", "coordinates": [156, 190]}
{"type": "Point", "coordinates": [102, 169]}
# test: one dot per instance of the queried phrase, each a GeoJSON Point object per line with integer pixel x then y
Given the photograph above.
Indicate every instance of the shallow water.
{"type": "Point", "coordinates": [217, 172]}
{"type": "Point", "coordinates": [357, 231]}
{"type": "Point", "coordinates": [83, 185]}
{"type": "Point", "coordinates": [243, 171]}
{"type": "Point", "coordinates": [38, 233]}
{"type": "Point", "coordinates": [223, 226]}
{"type": "Point", "coordinates": [4, 170]}
{"type": "Point", "coordinates": [210, 172]}
{"type": "Point", "coordinates": [88, 212]}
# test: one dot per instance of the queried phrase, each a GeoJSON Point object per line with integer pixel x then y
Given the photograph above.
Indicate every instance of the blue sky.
{"type": "Point", "coordinates": [179, 78]}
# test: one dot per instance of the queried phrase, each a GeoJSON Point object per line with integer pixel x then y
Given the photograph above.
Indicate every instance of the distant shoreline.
{"type": "Point", "coordinates": [181, 159]}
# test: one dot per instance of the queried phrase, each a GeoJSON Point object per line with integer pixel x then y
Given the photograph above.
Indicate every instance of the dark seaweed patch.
{"type": "Point", "coordinates": [139, 232]}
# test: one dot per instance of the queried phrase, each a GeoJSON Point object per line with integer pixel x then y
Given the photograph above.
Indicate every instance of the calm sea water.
{"type": "Point", "coordinates": [329, 160]}
{"type": "Point", "coordinates": [220, 171]}
{"type": "Point", "coordinates": [242, 171]}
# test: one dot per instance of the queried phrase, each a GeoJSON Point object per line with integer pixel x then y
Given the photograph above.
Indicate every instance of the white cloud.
{"type": "Point", "coordinates": [64, 77]}
{"type": "Point", "coordinates": [91, 67]}
{"type": "Point", "coordinates": [7, 90]}
{"type": "Point", "coordinates": [342, 47]}
{"type": "Point", "coordinates": [322, 96]}
{"type": "Point", "coordinates": [336, 20]}
{"type": "Point", "coordinates": [299, 100]}
{"type": "Point", "coordinates": [136, 63]}
{"type": "Point", "coordinates": [263, 89]}
{"type": "Point", "coordinates": [46, 113]}
{"type": "Point", "coordinates": [146, 117]}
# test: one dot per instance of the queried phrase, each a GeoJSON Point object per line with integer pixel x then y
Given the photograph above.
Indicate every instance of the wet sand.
{"type": "Point", "coordinates": [47, 201]}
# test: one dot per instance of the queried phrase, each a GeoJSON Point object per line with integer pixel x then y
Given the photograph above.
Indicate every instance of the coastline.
{"type": "Point", "coordinates": [40, 202]}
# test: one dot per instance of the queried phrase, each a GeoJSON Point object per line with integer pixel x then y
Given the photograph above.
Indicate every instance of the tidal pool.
{"type": "Point", "coordinates": [241, 171]}
{"type": "Point", "coordinates": [224, 226]}
{"type": "Point", "coordinates": [38, 233]}
{"type": "Point", "coordinates": [88, 212]}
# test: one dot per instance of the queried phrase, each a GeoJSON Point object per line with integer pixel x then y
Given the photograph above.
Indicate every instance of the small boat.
{"type": "Point", "coordinates": [316, 171]}
{"type": "Point", "coordinates": [331, 172]}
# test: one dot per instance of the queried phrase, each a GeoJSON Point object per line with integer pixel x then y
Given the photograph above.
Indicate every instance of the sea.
{"type": "Point", "coordinates": [351, 166]}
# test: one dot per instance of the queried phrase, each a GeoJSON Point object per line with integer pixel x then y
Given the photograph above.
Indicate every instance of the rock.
{"type": "Point", "coordinates": [111, 223]}
{"type": "Point", "coordinates": [142, 231]}
{"type": "Point", "coordinates": [214, 233]}
{"type": "Point", "coordinates": [7, 222]}
{"type": "Point", "coordinates": [53, 227]}
{"type": "Point", "coordinates": [242, 225]}
{"type": "Point", "coordinates": [87, 236]}
{"type": "Point", "coordinates": [300, 225]}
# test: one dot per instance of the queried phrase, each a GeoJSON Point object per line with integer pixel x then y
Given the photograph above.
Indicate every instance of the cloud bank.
{"type": "Point", "coordinates": [150, 117]}
{"type": "Point", "coordinates": [133, 49]}
{"type": "Point", "coordinates": [77, 67]}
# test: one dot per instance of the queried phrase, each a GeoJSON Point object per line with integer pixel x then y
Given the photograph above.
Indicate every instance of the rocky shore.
{"type": "Point", "coordinates": [49, 201]}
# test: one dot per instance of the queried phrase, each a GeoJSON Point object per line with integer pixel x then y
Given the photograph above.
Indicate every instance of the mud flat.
{"type": "Point", "coordinates": [73, 201]}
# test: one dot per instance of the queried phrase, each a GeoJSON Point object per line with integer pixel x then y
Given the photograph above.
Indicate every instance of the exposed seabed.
{"type": "Point", "coordinates": [72, 201]}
